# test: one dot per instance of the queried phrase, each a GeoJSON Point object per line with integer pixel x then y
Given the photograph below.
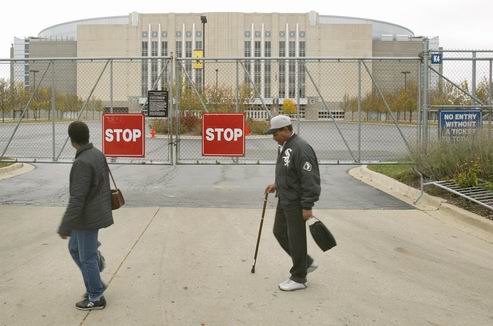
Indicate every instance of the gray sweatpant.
{"type": "Point", "coordinates": [290, 232]}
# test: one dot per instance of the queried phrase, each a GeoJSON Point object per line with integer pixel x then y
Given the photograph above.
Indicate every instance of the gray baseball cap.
{"type": "Point", "coordinates": [278, 122]}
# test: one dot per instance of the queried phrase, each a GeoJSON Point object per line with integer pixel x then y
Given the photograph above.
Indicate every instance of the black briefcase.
{"type": "Point", "coordinates": [322, 236]}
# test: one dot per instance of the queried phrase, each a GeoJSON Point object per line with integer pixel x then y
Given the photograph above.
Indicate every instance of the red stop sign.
{"type": "Point", "coordinates": [223, 134]}
{"type": "Point", "coordinates": [124, 134]}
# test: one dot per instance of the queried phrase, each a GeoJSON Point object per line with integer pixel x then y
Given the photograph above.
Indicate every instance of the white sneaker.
{"type": "Point", "coordinates": [290, 285]}
{"type": "Point", "coordinates": [312, 267]}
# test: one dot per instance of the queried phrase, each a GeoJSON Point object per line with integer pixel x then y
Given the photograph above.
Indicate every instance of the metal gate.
{"type": "Point", "coordinates": [351, 110]}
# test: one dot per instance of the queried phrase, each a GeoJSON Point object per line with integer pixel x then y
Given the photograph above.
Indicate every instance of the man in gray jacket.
{"type": "Point", "coordinates": [298, 188]}
{"type": "Point", "coordinates": [89, 209]}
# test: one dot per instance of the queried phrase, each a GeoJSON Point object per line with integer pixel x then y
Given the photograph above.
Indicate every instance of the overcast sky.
{"type": "Point", "coordinates": [460, 24]}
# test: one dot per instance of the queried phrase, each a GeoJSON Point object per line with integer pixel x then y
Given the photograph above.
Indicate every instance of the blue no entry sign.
{"type": "Point", "coordinates": [458, 125]}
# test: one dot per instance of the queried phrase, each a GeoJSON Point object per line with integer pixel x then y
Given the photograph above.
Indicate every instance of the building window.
{"type": "Point", "coordinates": [301, 67]}
{"type": "Point", "coordinates": [267, 70]}
{"type": "Point", "coordinates": [188, 34]}
{"type": "Point", "coordinates": [164, 48]}
{"type": "Point", "coordinates": [198, 45]}
{"type": "Point", "coordinates": [179, 52]}
{"type": "Point", "coordinates": [198, 33]}
{"type": "Point", "coordinates": [188, 49]}
{"type": "Point", "coordinates": [267, 34]}
{"type": "Point", "coordinates": [164, 34]}
{"type": "Point", "coordinates": [292, 70]}
{"type": "Point", "coordinates": [154, 34]}
{"type": "Point", "coordinates": [248, 63]}
{"type": "Point", "coordinates": [154, 49]}
{"type": "Point", "coordinates": [248, 34]}
{"type": "Point", "coordinates": [145, 53]}
{"type": "Point", "coordinates": [164, 52]}
{"type": "Point", "coordinates": [282, 70]}
{"type": "Point", "coordinates": [292, 34]}
{"type": "Point", "coordinates": [258, 47]}
{"type": "Point", "coordinates": [145, 34]}
{"type": "Point", "coordinates": [258, 34]}
{"type": "Point", "coordinates": [188, 54]}
{"type": "Point", "coordinates": [257, 64]}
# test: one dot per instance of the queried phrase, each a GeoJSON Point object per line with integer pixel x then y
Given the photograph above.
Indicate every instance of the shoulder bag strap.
{"type": "Point", "coordinates": [111, 174]}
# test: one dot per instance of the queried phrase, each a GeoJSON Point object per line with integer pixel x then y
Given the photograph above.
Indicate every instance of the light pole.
{"type": "Point", "coordinates": [405, 79]}
{"type": "Point", "coordinates": [33, 88]}
{"type": "Point", "coordinates": [203, 19]}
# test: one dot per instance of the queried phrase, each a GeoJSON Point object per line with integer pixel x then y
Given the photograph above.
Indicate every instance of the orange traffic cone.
{"type": "Point", "coordinates": [153, 132]}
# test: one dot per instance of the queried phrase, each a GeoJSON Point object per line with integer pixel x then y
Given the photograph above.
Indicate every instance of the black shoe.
{"type": "Point", "coordinates": [86, 295]}
{"type": "Point", "coordinates": [87, 304]}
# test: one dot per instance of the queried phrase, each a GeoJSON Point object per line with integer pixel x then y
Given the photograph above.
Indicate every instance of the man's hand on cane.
{"type": "Point", "coordinates": [271, 188]}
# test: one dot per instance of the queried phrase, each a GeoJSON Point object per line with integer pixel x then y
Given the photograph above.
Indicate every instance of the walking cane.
{"type": "Point", "coordinates": [259, 233]}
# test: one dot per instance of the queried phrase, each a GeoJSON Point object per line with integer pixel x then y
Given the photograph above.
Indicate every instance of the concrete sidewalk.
{"type": "Point", "coordinates": [191, 266]}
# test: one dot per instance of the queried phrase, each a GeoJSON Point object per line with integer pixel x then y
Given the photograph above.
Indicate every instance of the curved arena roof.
{"type": "Point", "coordinates": [68, 30]}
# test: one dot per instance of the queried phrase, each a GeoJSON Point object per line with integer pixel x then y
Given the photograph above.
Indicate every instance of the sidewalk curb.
{"type": "Point", "coordinates": [426, 202]}
{"type": "Point", "coordinates": [14, 170]}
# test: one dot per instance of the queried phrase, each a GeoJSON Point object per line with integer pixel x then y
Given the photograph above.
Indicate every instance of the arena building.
{"type": "Point", "coordinates": [222, 35]}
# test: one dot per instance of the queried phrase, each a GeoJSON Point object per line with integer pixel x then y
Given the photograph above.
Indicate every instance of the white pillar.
{"type": "Point", "coordinates": [183, 42]}
{"type": "Point", "coordinates": [297, 54]}
{"type": "Point", "coordinates": [252, 51]}
{"type": "Point", "coordinates": [286, 64]}
{"type": "Point", "coordinates": [193, 47]}
{"type": "Point", "coordinates": [149, 54]}
{"type": "Point", "coordinates": [183, 53]}
{"type": "Point", "coordinates": [159, 53]}
{"type": "Point", "coordinates": [262, 63]}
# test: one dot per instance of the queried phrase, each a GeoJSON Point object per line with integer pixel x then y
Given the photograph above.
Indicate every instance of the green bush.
{"type": "Point", "coordinates": [189, 125]}
{"type": "Point", "coordinates": [465, 161]}
{"type": "Point", "coordinates": [257, 127]}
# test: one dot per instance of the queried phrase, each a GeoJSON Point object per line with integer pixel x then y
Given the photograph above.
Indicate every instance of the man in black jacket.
{"type": "Point", "coordinates": [298, 188]}
{"type": "Point", "coordinates": [88, 210]}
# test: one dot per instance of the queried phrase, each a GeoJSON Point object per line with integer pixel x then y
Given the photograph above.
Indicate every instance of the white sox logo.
{"type": "Point", "coordinates": [287, 156]}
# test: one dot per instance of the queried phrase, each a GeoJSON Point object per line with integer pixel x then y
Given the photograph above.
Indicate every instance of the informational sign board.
{"type": "Point", "coordinates": [124, 135]}
{"type": "Point", "coordinates": [157, 104]}
{"type": "Point", "coordinates": [457, 125]}
{"type": "Point", "coordinates": [223, 134]}
{"type": "Point", "coordinates": [198, 54]}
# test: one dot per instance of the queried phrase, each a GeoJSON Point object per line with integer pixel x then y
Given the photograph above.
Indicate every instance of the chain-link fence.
{"type": "Point", "coordinates": [40, 97]}
{"type": "Point", "coordinates": [456, 80]}
{"type": "Point", "coordinates": [351, 110]}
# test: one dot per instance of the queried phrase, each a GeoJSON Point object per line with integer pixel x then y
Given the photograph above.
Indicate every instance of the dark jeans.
{"type": "Point", "coordinates": [83, 246]}
{"type": "Point", "coordinates": [290, 232]}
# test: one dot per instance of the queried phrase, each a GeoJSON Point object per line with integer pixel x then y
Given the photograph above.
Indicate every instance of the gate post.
{"type": "Point", "coordinates": [53, 106]}
{"type": "Point", "coordinates": [426, 72]}
{"type": "Point", "coordinates": [178, 85]}
{"type": "Point", "coordinates": [359, 111]}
